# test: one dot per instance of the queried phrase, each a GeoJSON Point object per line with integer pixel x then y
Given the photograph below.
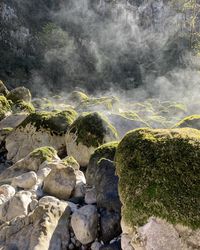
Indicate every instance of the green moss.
{"type": "Point", "coordinates": [159, 175]}
{"type": "Point", "coordinates": [78, 96]}
{"type": "Point", "coordinates": [4, 107]}
{"type": "Point", "coordinates": [56, 122]}
{"type": "Point", "coordinates": [70, 161]}
{"type": "Point", "coordinates": [23, 106]}
{"type": "Point", "coordinates": [19, 94]}
{"type": "Point", "coordinates": [44, 153]}
{"type": "Point", "coordinates": [105, 151]}
{"type": "Point", "coordinates": [103, 103]}
{"type": "Point", "coordinates": [91, 129]}
{"type": "Point", "coordinates": [192, 121]}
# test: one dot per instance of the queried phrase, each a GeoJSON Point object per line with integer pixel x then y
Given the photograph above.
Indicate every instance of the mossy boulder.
{"type": "Point", "coordinates": [19, 94]}
{"type": "Point", "coordinates": [159, 176]}
{"type": "Point", "coordinates": [101, 104]}
{"type": "Point", "coordinates": [105, 151]}
{"type": "Point", "coordinates": [77, 97]}
{"type": "Point", "coordinates": [88, 131]}
{"type": "Point", "coordinates": [37, 130]}
{"type": "Point", "coordinates": [192, 121]}
{"type": "Point", "coordinates": [70, 161]}
{"type": "Point", "coordinates": [56, 122]}
{"type": "Point", "coordinates": [3, 90]}
{"type": "Point", "coordinates": [22, 106]}
{"type": "Point", "coordinates": [5, 107]}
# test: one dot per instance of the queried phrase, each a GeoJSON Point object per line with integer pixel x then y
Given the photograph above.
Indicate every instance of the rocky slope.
{"type": "Point", "coordinates": [71, 179]}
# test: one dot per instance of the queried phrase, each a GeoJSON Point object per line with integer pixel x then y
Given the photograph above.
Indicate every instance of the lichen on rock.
{"type": "Point", "coordinates": [159, 172]}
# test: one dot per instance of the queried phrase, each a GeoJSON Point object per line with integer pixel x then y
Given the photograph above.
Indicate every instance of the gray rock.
{"type": "Point", "coordinates": [110, 225]}
{"type": "Point", "coordinates": [84, 223]}
{"type": "Point", "coordinates": [106, 184]}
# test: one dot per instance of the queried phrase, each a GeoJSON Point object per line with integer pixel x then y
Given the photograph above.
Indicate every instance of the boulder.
{"type": "Point", "coordinates": [77, 97]}
{"type": "Point", "coordinates": [70, 161]}
{"type": "Point", "coordinates": [22, 106]}
{"type": "Point", "coordinates": [38, 130]}
{"type": "Point", "coordinates": [79, 190]}
{"type": "Point", "coordinates": [106, 151]}
{"type": "Point", "coordinates": [13, 120]}
{"type": "Point", "coordinates": [45, 228]}
{"type": "Point", "coordinates": [87, 132]}
{"type": "Point", "coordinates": [84, 223]}
{"type": "Point", "coordinates": [19, 94]}
{"type": "Point", "coordinates": [31, 162]}
{"type": "Point", "coordinates": [25, 181]}
{"type": "Point", "coordinates": [106, 185]}
{"type": "Point", "coordinates": [60, 182]}
{"type": "Point", "coordinates": [109, 225]}
{"type": "Point", "coordinates": [6, 193]}
{"type": "Point", "coordinates": [16, 206]}
{"type": "Point", "coordinates": [158, 176]}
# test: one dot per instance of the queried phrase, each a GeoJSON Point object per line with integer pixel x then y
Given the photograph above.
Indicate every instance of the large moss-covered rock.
{"type": "Point", "coordinates": [159, 171]}
{"type": "Point", "coordinates": [19, 94]}
{"type": "Point", "coordinates": [3, 90]}
{"type": "Point", "coordinates": [38, 130]}
{"type": "Point", "coordinates": [5, 108]}
{"type": "Point", "coordinates": [192, 121]}
{"type": "Point", "coordinates": [159, 176]}
{"type": "Point", "coordinates": [87, 132]}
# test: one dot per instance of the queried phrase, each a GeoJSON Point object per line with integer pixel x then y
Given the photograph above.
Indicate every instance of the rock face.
{"type": "Point", "coordinates": [37, 130]}
{"type": "Point", "coordinates": [60, 182]}
{"type": "Point", "coordinates": [158, 172]}
{"type": "Point", "coordinates": [85, 223]}
{"type": "Point", "coordinates": [43, 229]}
{"type": "Point", "coordinates": [87, 133]}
